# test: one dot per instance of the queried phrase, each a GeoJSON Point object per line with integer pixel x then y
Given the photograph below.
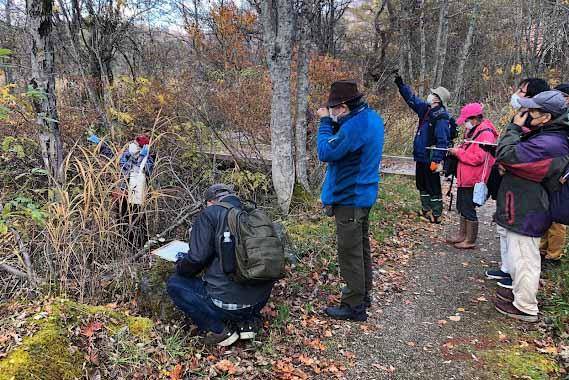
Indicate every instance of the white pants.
{"type": "Point", "coordinates": [525, 260]}
{"type": "Point", "coordinates": [505, 265]}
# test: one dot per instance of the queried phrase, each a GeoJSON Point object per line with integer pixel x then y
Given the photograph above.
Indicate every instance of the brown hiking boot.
{"type": "Point", "coordinates": [505, 295]}
{"type": "Point", "coordinates": [508, 309]}
{"type": "Point", "coordinates": [459, 238]}
{"type": "Point", "coordinates": [471, 235]}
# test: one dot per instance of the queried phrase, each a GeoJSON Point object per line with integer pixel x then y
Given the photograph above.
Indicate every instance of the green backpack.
{"type": "Point", "coordinates": [259, 253]}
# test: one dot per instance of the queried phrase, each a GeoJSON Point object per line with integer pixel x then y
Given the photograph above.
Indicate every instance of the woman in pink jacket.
{"type": "Point", "coordinates": [474, 165]}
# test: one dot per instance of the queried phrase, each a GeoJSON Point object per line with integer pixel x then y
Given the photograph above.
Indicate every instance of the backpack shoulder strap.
{"type": "Point", "coordinates": [226, 205]}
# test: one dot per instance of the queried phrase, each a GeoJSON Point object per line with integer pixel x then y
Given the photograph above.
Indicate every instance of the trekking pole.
{"type": "Point", "coordinates": [450, 193]}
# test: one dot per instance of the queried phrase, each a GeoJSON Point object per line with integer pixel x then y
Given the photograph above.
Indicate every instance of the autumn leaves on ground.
{"type": "Point", "coordinates": [61, 339]}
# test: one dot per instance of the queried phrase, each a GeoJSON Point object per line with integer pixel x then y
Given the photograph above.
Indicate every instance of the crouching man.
{"type": "Point", "coordinates": [223, 308]}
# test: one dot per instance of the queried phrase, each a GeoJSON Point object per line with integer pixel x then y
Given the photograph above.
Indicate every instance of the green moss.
{"type": "Point", "coordinates": [138, 326]}
{"type": "Point", "coordinates": [45, 355]}
{"type": "Point", "coordinates": [152, 297]}
{"type": "Point", "coordinates": [515, 362]}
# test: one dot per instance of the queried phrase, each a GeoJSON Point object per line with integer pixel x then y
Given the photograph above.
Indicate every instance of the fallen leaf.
{"type": "Point", "coordinates": [91, 328]}
{"type": "Point", "coordinates": [226, 366]}
{"type": "Point", "coordinates": [349, 355]}
{"type": "Point", "coordinates": [548, 350]}
{"type": "Point", "coordinates": [460, 310]}
{"type": "Point", "coordinates": [306, 360]}
{"type": "Point", "coordinates": [316, 344]}
{"type": "Point", "coordinates": [389, 369]}
{"type": "Point", "coordinates": [411, 344]}
{"type": "Point", "coordinates": [176, 373]}
{"type": "Point", "coordinates": [481, 299]}
{"type": "Point", "coordinates": [454, 318]}
{"type": "Point", "coordinates": [442, 322]}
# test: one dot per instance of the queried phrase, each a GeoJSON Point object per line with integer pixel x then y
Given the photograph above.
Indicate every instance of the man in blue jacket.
{"type": "Point", "coordinates": [434, 132]}
{"type": "Point", "coordinates": [350, 140]}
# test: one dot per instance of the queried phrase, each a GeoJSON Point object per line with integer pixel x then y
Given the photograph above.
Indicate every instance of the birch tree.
{"type": "Point", "coordinates": [423, 42]}
{"type": "Point", "coordinates": [441, 47]}
{"type": "Point", "coordinates": [8, 75]}
{"type": "Point", "coordinates": [463, 57]}
{"type": "Point", "coordinates": [42, 85]}
{"type": "Point", "coordinates": [302, 92]}
{"type": "Point", "coordinates": [277, 22]}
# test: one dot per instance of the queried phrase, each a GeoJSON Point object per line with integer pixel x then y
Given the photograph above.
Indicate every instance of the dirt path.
{"type": "Point", "coordinates": [407, 338]}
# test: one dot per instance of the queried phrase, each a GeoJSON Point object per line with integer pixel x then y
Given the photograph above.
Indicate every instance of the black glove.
{"type": "Point", "coordinates": [398, 80]}
{"type": "Point", "coordinates": [489, 148]}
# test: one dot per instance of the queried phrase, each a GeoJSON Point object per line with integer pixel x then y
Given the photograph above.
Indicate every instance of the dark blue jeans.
{"type": "Point", "coordinates": [189, 295]}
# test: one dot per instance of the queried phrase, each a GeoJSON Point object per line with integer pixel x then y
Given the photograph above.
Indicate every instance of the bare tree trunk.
{"type": "Point", "coordinates": [465, 50]}
{"type": "Point", "coordinates": [441, 44]}
{"type": "Point", "coordinates": [276, 18]}
{"type": "Point", "coordinates": [409, 55]}
{"type": "Point", "coordinates": [402, 28]}
{"type": "Point", "coordinates": [302, 92]}
{"type": "Point", "coordinates": [43, 80]}
{"type": "Point", "coordinates": [423, 69]}
{"type": "Point", "coordinates": [331, 29]}
{"type": "Point", "coordinates": [8, 73]}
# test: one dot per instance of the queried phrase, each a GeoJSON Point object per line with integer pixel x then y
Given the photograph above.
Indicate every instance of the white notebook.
{"type": "Point", "coordinates": [170, 250]}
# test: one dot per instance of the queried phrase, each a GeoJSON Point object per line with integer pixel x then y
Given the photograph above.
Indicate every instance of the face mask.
{"type": "Point", "coordinates": [332, 116]}
{"type": "Point", "coordinates": [469, 125]}
{"type": "Point", "coordinates": [528, 121]}
{"type": "Point", "coordinates": [430, 99]}
{"type": "Point", "coordinates": [515, 102]}
{"type": "Point", "coordinates": [133, 148]}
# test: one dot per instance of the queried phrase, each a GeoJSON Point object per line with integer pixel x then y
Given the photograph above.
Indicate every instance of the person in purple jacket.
{"type": "Point", "coordinates": [523, 201]}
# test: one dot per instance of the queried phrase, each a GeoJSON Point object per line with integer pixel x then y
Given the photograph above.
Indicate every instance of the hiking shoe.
{"type": "Point", "coordinates": [508, 309]}
{"type": "Point", "coordinates": [436, 219]}
{"type": "Point", "coordinates": [247, 330]}
{"type": "Point", "coordinates": [506, 283]}
{"type": "Point", "coordinates": [223, 339]}
{"type": "Point", "coordinates": [505, 295]}
{"type": "Point", "coordinates": [367, 301]}
{"type": "Point", "coordinates": [496, 275]}
{"type": "Point", "coordinates": [347, 312]}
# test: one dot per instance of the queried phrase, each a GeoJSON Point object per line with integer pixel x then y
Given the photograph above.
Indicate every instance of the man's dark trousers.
{"type": "Point", "coordinates": [429, 186]}
{"type": "Point", "coordinates": [354, 254]}
{"type": "Point", "coordinates": [190, 295]}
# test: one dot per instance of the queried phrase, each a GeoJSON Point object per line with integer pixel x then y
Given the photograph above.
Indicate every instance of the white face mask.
{"type": "Point", "coordinates": [515, 102]}
{"type": "Point", "coordinates": [332, 116]}
{"type": "Point", "coordinates": [133, 148]}
{"type": "Point", "coordinates": [431, 98]}
{"type": "Point", "coordinates": [469, 125]}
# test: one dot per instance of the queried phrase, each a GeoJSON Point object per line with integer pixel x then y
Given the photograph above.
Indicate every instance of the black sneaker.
{"type": "Point", "coordinates": [224, 339]}
{"type": "Point", "coordinates": [496, 274]}
{"type": "Point", "coordinates": [367, 301]}
{"type": "Point", "coordinates": [436, 219]}
{"type": "Point", "coordinates": [506, 283]}
{"type": "Point", "coordinates": [347, 312]}
{"type": "Point", "coordinates": [247, 330]}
